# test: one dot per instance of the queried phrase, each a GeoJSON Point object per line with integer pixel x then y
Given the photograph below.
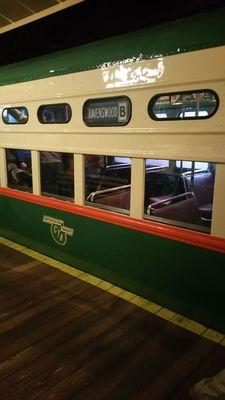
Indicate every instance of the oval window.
{"type": "Point", "coordinates": [54, 113]}
{"type": "Point", "coordinates": [15, 115]}
{"type": "Point", "coordinates": [184, 105]}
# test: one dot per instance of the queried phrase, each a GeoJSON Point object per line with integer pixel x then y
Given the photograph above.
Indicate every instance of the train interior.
{"type": "Point", "coordinates": [176, 192]}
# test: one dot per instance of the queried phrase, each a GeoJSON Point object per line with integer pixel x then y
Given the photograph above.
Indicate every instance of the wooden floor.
{"type": "Point", "coordinates": [61, 338]}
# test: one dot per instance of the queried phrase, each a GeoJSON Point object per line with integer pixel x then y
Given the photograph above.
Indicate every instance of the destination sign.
{"type": "Point", "coordinates": [107, 112]}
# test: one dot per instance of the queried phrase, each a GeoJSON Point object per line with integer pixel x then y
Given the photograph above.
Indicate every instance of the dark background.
{"type": "Point", "coordinates": [93, 20]}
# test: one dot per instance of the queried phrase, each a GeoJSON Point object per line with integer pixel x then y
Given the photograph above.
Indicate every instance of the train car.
{"type": "Point", "coordinates": [112, 160]}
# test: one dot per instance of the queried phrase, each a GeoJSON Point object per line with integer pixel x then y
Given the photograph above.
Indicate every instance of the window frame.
{"type": "Point", "coordinates": [178, 118]}
{"type": "Point", "coordinates": [201, 228]}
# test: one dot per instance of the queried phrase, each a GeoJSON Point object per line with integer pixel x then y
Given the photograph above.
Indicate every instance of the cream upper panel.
{"type": "Point", "coordinates": [173, 146]}
{"type": "Point", "coordinates": [142, 137]}
{"type": "Point", "coordinates": [194, 68]}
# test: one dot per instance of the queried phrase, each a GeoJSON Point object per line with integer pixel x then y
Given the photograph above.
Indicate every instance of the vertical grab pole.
{"type": "Point", "coordinates": [137, 187]}
{"type": "Point", "coordinates": [79, 179]}
{"type": "Point", "coordinates": [36, 174]}
{"type": "Point", "coordinates": [3, 168]}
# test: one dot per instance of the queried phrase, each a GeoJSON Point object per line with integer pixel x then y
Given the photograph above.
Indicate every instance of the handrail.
{"type": "Point", "coordinates": [197, 171]}
{"type": "Point", "coordinates": [151, 207]}
{"type": "Point", "coordinates": [92, 195]}
{"type": "Point", "coordinates": [14, 171]}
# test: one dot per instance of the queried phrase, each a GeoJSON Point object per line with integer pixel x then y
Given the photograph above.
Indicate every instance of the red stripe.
{"type": "Point", "coordinates": [170, 232]}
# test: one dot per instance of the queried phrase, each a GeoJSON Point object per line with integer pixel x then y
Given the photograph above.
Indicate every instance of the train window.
{"type": "Point", "coordinates": [107, 186]}
{"type": "Point", "coordinates": [19, 169]}
{"type": "Point", "coordinates": [54, 113]}
{"type": "Point", "coordinates": [198, 104]}
{"type": "Point", "coordinates": [180, 193]}
{"type": "Point", "coordinates": [15, 115]}
{"type": "Point", "coordinates": [112, 111]}
{"type": "Point", "coordinates": [57, 175]}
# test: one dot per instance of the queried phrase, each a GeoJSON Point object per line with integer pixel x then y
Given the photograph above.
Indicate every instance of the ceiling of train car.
{"type": "Point", "coordinates": [14, 13]}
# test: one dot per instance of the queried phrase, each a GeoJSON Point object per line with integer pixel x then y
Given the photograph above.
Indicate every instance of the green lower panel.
{"type": "Point", "coordinates": [184, 278]}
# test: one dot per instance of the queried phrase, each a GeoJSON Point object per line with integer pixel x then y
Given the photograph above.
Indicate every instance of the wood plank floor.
{"type": "Point", "coordinates": [63, 339]}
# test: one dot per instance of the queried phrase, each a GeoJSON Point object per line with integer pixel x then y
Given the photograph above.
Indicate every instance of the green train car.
{"type": "Point", "coordinates": [112, 160]}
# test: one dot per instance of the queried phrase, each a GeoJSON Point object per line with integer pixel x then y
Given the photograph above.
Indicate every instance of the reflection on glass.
{"type": "Point", "coordinates": [107, 182]}
{"type": "Point", "coordinates": [19, 169]}
{"type": "Point", "coordinates": [122, 160]}
{"type": "Point", "coordinates": [180, 193]}
{"type": "Point", "coordinates": [15, 115]}
{"type": "Point", "coordinates": [57, 175]}
{"type": "Point", "coordinates": [176, 106]}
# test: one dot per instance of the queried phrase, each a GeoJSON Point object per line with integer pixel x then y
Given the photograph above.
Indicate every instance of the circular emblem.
{"type": "Point", "coordinates": [58, 235]}
{"type": "Point", "coordinates": [59, 232]}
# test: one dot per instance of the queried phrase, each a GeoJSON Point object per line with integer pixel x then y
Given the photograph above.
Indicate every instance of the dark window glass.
{"type": "Point", "coordinates": [112, 111]}
{"type": "Point", "coordinates": [108, 185]}
{"type": "Point", "coordinates": [57, 175]}
{"type": "Point", "coordinates": [19, 169]}
{"type": "Point", "coordinates": [54, 113]}
{"type": "Point", "coordinates": [180, 193]}
{"type": "Point", "coordinates": [187, 105]}
{"type": "Point", "coordinates": [15, 115]}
